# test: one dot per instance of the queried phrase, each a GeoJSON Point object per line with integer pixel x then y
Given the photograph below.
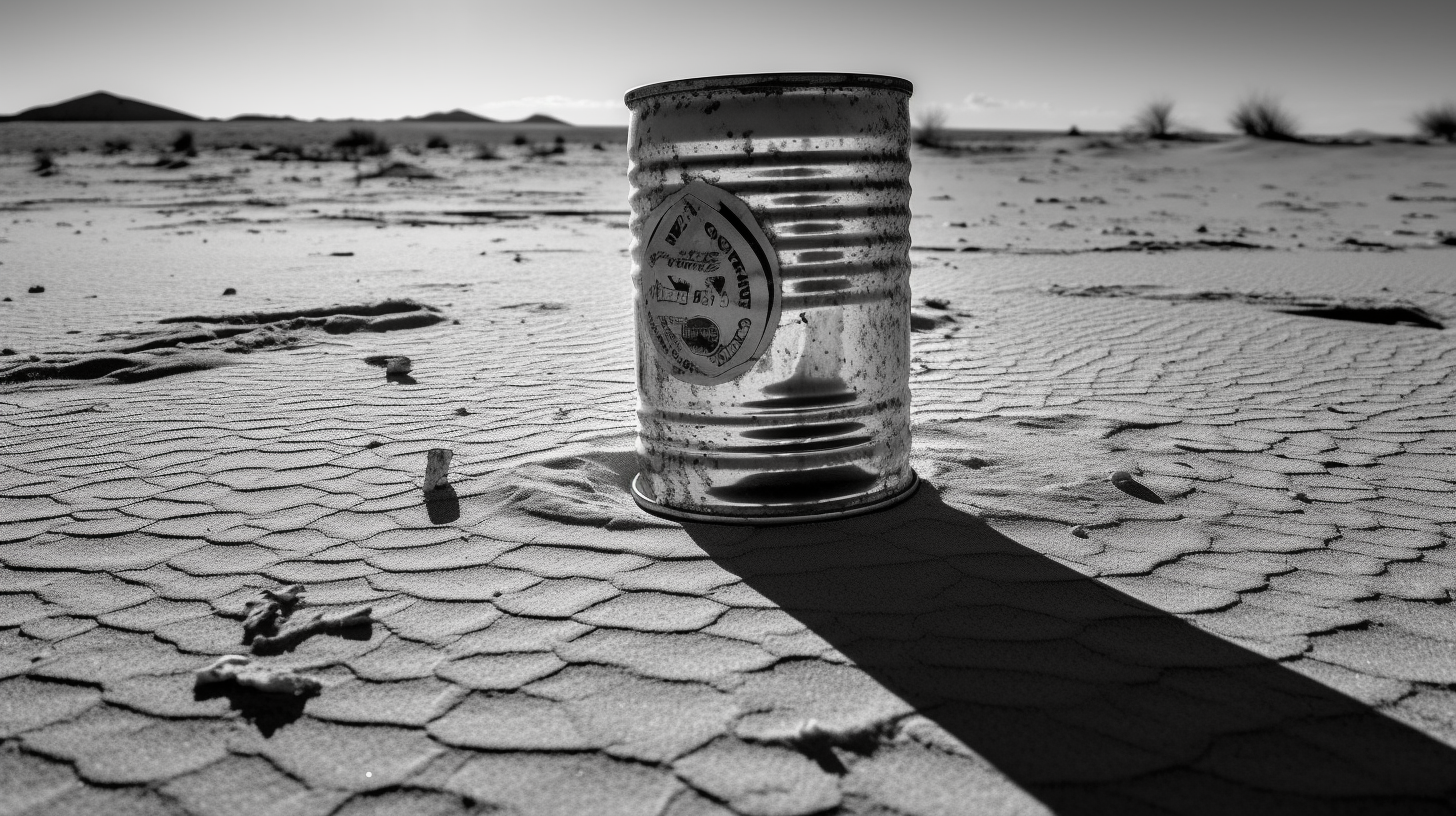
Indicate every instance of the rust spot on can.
{"type": "Point", "coordinates": [770, 258]}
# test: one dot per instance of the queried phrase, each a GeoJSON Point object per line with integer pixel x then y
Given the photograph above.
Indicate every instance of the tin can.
{"type": "Point", "coordinates": [771, 264]}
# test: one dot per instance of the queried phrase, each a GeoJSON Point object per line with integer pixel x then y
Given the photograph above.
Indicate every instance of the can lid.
{"type": "Point", "coordinates": [750, 83]}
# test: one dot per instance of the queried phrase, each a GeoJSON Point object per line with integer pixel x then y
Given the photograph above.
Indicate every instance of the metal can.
{"type": "Point", "coordinates": [771, 265]}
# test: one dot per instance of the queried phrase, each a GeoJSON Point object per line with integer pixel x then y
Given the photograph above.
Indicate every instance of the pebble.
{"type": "Point", "coordinates": [397, 365]}
{"type": "Point", "coordinates": [437, 468]}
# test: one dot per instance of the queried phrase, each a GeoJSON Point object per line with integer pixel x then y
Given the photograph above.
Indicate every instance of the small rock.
{"type": "Point", "coordinates": [458, 411]}
{"type": "Point", "coordinates": [373, 443]}
{"type": "Point", "coordinates": [1124, 481]}
{"type": "Point", "coordinates": [229, 291]}
{"type": "Point", "coordinates": [937, 303]}
{"type": "Point", "coordinates": [437, 468]}
{"type": "Point", "coordinates": [1201, 229]}
{"type": "Point", "coordinates": [6, 352]}
{"type": "Point", "coordinates": [1079, 531]}
{"type": "Point", "coordinates": [35, 290]}
{"type": "Point", "coordinates": [397, 365]}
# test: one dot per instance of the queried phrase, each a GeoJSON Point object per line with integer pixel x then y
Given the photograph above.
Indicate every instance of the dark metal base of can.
{"type": "Point", "coordinates": [657, 509]}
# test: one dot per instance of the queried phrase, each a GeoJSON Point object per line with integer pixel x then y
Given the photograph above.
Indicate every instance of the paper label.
{"type": "Point", "coordinates": [710, 285]}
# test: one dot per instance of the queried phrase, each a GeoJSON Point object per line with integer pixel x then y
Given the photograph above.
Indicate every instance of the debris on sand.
{"type": "Point", "coordinates": [270, 625]}
{"type": "Point", "coordinates": [295, 630]}
{"type": "Point", "coordinates": [437, 468]}
{"type": "Point", "coordinates": [266, 611]}
{"type": "Point", "coordinates": [239, 669]}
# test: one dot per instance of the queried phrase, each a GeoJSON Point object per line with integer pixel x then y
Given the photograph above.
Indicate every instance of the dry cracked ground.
{"type": "Point", "coordinates": [1254, 615]}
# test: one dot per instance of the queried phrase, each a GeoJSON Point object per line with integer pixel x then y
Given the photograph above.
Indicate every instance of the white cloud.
{"type": "Point", "coordinates": [557, 102]}
{"type": "Point", "coordinates": [985, 102]}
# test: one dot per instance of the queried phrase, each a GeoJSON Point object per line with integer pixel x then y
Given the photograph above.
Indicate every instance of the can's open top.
{"type": "Point", "coordinates": [751, 83]}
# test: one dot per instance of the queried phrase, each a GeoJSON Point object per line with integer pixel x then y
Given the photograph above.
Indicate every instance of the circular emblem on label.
{"type": "Point", "coordinates": [709, 295]}
{"type": "Point", "coordinates": [700, 335]}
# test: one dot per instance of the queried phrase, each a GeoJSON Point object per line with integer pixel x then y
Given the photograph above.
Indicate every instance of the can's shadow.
{"type": "Point", "coordinates": [1092, 701]}
{"type": "Point", "coordinates": [442, 504]}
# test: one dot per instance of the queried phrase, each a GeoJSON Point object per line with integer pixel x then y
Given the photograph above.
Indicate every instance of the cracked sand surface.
{"type": "Point", "coordinates": [1275, 636]}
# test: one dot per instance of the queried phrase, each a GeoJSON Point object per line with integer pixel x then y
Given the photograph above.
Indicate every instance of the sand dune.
{"type": "Point", "coordinates": [1184, 416]}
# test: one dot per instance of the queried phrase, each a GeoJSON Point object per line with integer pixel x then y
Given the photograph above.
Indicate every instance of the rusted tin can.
{"type": "Point", "coordinates": [770, 255]}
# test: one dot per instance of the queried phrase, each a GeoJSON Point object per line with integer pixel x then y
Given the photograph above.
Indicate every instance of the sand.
{"type": "Point", "coordinates": [1184, 416]}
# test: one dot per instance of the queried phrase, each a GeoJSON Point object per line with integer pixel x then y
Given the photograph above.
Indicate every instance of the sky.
{"type": "Point", "coordinates": [1337, 65]}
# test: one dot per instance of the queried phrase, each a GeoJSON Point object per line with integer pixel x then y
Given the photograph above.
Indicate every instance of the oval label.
{"type": "Point", "coordinates": [710, 285]}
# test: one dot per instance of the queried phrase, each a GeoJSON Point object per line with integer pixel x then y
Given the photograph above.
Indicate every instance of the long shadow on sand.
{"type": "Point", "coordinates": [1089, 699]}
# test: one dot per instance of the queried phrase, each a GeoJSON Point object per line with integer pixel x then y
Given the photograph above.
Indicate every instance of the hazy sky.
{"type": "Point", "coordinates": [1337, 64]}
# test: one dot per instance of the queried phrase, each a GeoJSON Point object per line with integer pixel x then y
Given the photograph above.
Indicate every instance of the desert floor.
{"type": "Point", "coordinates": [1259, 622]}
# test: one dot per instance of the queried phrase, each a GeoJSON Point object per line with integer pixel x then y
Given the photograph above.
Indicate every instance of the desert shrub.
{"type": "Point", "coordinates": [45, 163]}
{"type": "Point", "coordinates": [437, 142]}
{"type": "Point", "coordinates": [520, 141]}
{"type": "Point", "coordinates": [554, 149]}
{"type": "Point", "coordinates": [1263, 117]}
{"type": "Point", "coordinates": [361, 142]}
{"type": "Point", "coordinates": [486, 152]}
{"type": "Point", "coordinates": [185, 143]}
{"type": "Point", "coordinates": [1155, 120]}
{"type": "Point", "coordinates": [1437, 122]}
{"type": "Point", "coordinates": [930, 129]}
{"type": "Point", "coordinates": [111, 147]}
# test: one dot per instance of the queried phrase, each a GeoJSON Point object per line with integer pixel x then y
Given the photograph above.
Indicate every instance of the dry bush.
{"type": "Point", "coordinates": [1263, 117]}
{"type": "Point", "coordinates": [487, 152]}
{"type": "Point", "coordinates": [362, 142]}
{"type": "Point", "coordinates": [437, 142]}
{"type": "Point", "coordinates": [111, 147]}
{"type": "Point", "coordinates": [1437, 122]}
{"type": "Point", "coordinates": [1155, 120]}
{"type": "Point", "coordinates": [185, 143]}
{"type": "Point", "coordinates": [45, 163]}
{"type": "Point", "coordinates": [930, 129]}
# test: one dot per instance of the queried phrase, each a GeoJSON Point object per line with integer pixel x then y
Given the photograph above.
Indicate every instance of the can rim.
{"type": "Point", "coordinates": [771, 82]}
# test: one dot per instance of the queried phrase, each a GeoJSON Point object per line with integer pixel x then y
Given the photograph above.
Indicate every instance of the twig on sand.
{"type": "Point", "coordinates": [296, 630]}
{"type": "Point", "coordinates": [270, 625]}
{"type": "Point", "coordinates": [239, 670]}
{"type": "Point", "coordinates": [268, 610]}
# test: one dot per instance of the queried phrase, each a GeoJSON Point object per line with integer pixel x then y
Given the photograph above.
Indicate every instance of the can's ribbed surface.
{"type": "Point", "coordinates": [815, 420]}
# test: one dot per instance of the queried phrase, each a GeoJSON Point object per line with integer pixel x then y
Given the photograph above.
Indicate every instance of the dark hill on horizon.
{"type": "Point", "coordinates": [101, 107]}
{"type": "Point", "coordinates": [457, 115]}
{"type": "Point", "coordinates": [261, 117]}
{"type": "Point", "coordinates": [541, 119]}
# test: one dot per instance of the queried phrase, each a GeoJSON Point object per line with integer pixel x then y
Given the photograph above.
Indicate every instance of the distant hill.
{"type": "Point", "coordinates": [542, 119]}
{"type": "Point", "coordinates": [261, 117]}
{"type": "Point", "coordinates": [456, 115]}
{"type": "Point", "coordinates": [101, 107]}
